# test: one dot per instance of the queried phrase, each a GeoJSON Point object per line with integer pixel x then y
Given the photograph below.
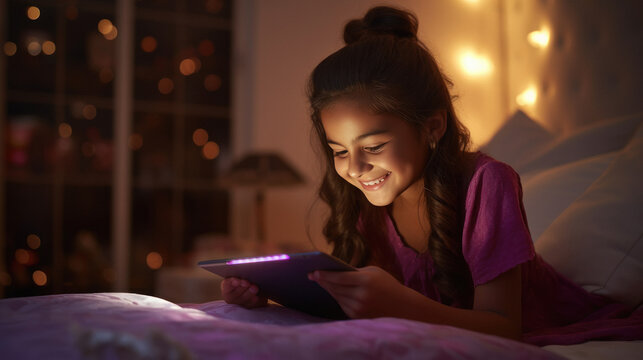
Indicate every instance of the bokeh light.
{"type": "Point", "coordinates": [64, 130]}
{"type": "Point", "coordinates": [200, 137]}
{"type": "Point", "coordinates": [206, 48]}
{"type": "Point", "coordinates": [165, 86]}
{"type": "Point", "coordinates": [112, 34]}
{"type": "Point", "coordinates": [210, 150]}
{"type": "Point", "coordinates": [474, 64]}
{"type": "Point", "coordinates": [33, 241]}
{"type": "Point", "coordinates": [527, 97]}
{"type": "Point", "coordinates": [148, 44]}
{"type": "Point", "coordinates": [48, 47]}
{"type": "Point", "coordinates": [135, 141]}
{"type": "Point", "coordinates": [154, 260]}
{"type": "Point", "coordinates": [10, 48]}
{"type": "Point", "coordinates": [22, 256]}
{"type": "Point", "coordinates": [539, 38]}
{"type": "Point", "coordinates": [33, 13]}
{"type": "Point", "coordinates": [212, 82]}
{"type": "Point", "coordinates": [39, 278]}
{"type": "Point", "coordinates": [187, 67]}
{"type": "Point", "coordinates": [89, 112]}
{"type": "Point", "coordinates": [105, 26]}
{"type": "Point", "coordinates": [34, 48]}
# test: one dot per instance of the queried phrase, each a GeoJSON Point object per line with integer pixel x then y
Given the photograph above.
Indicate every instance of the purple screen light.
{"type": "Point", "coordinates": [259, 259]}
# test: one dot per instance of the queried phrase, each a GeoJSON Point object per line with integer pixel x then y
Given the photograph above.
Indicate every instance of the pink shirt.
{"type": "Point", "coordinates": [495, 239]}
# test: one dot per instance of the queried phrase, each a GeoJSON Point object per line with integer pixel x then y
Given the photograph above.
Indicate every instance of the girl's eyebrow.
{"type": "Point", "coordinates": [370, 133]}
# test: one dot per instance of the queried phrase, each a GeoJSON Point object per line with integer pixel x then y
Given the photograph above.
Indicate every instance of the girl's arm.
{"type": "Point", "coordinates": [372, 292]}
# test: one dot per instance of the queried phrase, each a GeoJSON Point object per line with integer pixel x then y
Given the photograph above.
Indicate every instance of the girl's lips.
{"type": "Point", "coordinates": [374, 184]}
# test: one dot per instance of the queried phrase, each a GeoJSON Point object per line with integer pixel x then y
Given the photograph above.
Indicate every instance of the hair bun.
{"type": "Point", "coordinates": [382, 20]}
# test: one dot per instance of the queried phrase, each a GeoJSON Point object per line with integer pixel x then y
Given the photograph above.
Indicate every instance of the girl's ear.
{"type": "Point", "coordinates": [436, 126]}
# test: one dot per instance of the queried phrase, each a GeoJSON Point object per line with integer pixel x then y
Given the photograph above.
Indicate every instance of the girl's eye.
{"type": "Point", "coordinates": [340, 153]}
{"type": "Point", "coordinates": [375, 149]}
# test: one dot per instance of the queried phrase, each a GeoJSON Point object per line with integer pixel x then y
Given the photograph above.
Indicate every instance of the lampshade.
{"type": "Point", "coordinates": [261, 169]}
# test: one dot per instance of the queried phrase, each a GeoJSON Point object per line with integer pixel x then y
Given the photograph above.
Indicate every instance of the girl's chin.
{"type": "Point", "coordinates": [378, 200]}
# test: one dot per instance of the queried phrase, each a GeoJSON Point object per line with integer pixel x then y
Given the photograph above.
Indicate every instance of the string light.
{"type": "Point", "coordinates": [474, 64]}
{"type": "Point", "coordinates": [148, 44]}
{"type": "Point", "coordinates": [89, 112]}
{"type": "Point", "coordinates": [165, 86]}
{"type": "Point", "coordinates": [33, 241]}
{"type": "Point", "coordinates": [154, 260]}
{"type": "Point", "coordinates": [34, 48]}
{"type": "Point", "coordinates": [10, 48]}
{"type": "Point", "coordinates": [212, 82]}
{"type": "Point", "coordinates": [48, 47]}
{"type": "Point", "coordinates": [187, 67]}
{"type": "Point", "coordinates": [210, 150]}
{"type": "Point", "coordinates": [33, 13]}
{"type": "Point", "coordinates": [527, 97]}
{"type": "Point", "coordinates": [105, 26]}
{"type": "Point", "coordinates": [539, 38]}
{"type": "Point", "coordinates": [200, 137]}
{"type": "Point", "coordinates": [64, 130]}
{"type": "Point", "coordinates": [39, 278]}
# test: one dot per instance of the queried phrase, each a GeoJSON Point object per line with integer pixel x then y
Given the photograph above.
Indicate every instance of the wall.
{"type": "Point", "coordinates": [278, 44]}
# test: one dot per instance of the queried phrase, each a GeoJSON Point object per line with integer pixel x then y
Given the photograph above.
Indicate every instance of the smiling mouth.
{"type": "Point", "coordinates": [375, 182]}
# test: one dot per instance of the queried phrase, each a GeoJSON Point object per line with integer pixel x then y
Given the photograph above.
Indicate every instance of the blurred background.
{"type": "Point", "coordinates": [119, 120]}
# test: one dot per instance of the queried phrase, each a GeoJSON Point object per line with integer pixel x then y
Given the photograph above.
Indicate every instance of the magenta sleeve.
{"type": "Point", "coordinates": [495, 236]}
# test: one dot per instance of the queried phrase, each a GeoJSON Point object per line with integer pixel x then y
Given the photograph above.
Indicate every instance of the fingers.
{"type": "Point", "coordinates": [346, 278]}
{"type": "Point", "coordinates": [241, 292]}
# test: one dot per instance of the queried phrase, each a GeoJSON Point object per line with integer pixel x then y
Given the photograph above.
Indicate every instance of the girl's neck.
{"type": "Point", "coordinates": [411, 218]}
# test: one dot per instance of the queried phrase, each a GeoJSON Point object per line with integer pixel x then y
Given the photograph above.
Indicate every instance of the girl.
{"type": "Point", "coordinates": [439, 233]}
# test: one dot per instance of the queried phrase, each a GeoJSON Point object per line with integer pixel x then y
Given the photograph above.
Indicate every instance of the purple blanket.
{"type": "Point", "coordinates": [124, 325]}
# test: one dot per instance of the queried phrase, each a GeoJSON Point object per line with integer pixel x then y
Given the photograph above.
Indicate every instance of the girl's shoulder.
{"type": "Point", "coordinates": [491, 177]}
{"type": "Point", "coordinates": [489, 168]}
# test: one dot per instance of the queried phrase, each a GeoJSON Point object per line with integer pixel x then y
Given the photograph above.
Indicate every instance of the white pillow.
{"type": "Point", "coordinates": [603, 137]}
{"type": "Point", "coordinates": [517, 139]}
{"type": "Point", "coordinates": [598, 240]}
{"type": "Point", "coordinates": [548, 193]}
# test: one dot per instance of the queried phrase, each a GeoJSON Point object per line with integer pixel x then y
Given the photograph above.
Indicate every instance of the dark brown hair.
{"type": "Point", "coordinates": [385, 67]}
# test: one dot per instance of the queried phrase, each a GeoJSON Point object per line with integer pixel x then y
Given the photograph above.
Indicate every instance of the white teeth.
{"type": "Point", "coordinates": [375, 182]}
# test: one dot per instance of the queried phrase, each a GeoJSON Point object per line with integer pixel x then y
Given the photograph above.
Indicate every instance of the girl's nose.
{"type": "Point", "coordinates": [357, 166]}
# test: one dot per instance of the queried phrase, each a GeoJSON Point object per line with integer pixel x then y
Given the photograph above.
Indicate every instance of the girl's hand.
{"type": "Point", "coordinates": [366, 293]}
{"type": "Point", "coordinates": [241, 292]}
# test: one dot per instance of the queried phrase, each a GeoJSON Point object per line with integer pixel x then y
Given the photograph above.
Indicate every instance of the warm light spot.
{"type": "Point", "coordinates": [135, 141]}
{"type": "Point", "coordinates": [88, 149]}
{"type": "Point", "coordinates": [527, 97]}
{"type": "Point", "coordinates": [206, 48]}
{"type": "Point", "coordinates": [213, 6]}
{"type": "Point", "coordinates": [148, 44]}
{"type": "Point", "coordinates": [33, 13]}
{"type": "Point", "coordinates": [187, 67]}
{"type": "Point", "coordinates": [210, 150]}
{"type": "Point", "coordinates": [39, 278]}
{"type": "Point", "coordinates": [475, 64]}
{"type": "Point", "coordinates": [10, 48]}
{"type": "Point", "coordinates": [34, 48]}
{"type": "Point", "coordinates": [166, 85]}
{"type": "Point", "coordinates": [22, 256]}
{"type": "Point", "coordinates": [64, 130]}
{"type": "Point", "coordinates": [71, 12]}
{"type": "Point", "coordinates": [200, 137]}
{"type": "Point", "coordinates": [212, 82]}
{"type": "Point", "coordinates": [539, 38]}
{"type": "Point", "coordinates": [197, 63]}
{"type": "Point", "coordinates": [5, 279]}
{"type": "Point", "coordinates": [154, 260]}
{"type": "Point", "coordinates": [48, 47]}
{"type": "Point", "coordinates": [112, 34]}
{"type": "Point", "coordinates": [33, 241]}
{"type": "Point", "coordinates": [89, 112]}
{"type": "Point", "coordinates": [105, 75]}
{"type": "Point", "coordinates": [105, 26]}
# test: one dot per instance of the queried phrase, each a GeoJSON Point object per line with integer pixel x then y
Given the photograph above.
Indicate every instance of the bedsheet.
{"type": "Point", "coordinates": [127, 325]}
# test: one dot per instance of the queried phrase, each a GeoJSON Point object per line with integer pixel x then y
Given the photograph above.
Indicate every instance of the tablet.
{"type": "Point", "coordinates": [283, 279]}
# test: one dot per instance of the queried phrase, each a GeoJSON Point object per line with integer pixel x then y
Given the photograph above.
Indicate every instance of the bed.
{"type": "Point", "coordinates": [581, 168]}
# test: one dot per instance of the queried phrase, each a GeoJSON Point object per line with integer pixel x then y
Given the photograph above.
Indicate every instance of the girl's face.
{"type": "Point", "coordinates": [380, 154]}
